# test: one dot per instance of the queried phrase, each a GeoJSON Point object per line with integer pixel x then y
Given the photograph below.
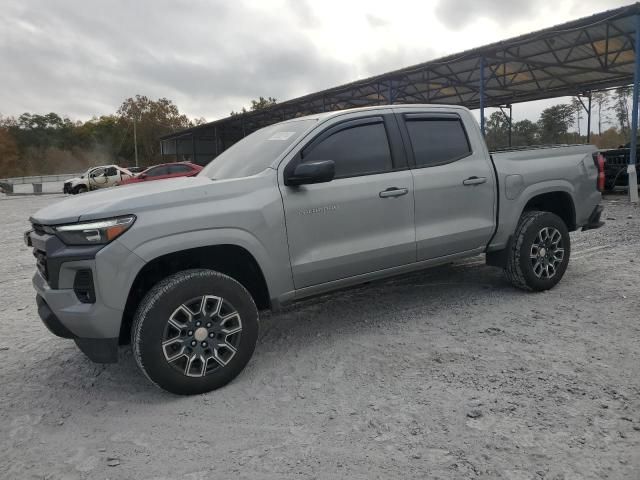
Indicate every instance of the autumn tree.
{"type": "Point", "coordinates": [153, 119]}
{"type": "Point", "coordinates": [9, 155]}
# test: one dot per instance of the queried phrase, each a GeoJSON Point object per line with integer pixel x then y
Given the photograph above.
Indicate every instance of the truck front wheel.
{"type": "Point", "coordinates": [194, 331]}
{"type": "Point", "coordinates": [539, 251]}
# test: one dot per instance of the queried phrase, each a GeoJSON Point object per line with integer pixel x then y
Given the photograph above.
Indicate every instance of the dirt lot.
{"type": "Point", "coordinates": [450, 373]}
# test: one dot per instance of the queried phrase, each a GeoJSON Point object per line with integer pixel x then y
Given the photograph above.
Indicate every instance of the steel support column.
{"type": "Point", "coordinates": [482, 95]}
{"type": "Point", "coordinates": [589, 120]}
{"type": "Point", "coordinates": [631, 168]}
{"type": "Point", "coordinates": [510, 123]}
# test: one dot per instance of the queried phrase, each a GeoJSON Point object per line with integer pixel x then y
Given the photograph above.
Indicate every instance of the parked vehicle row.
{"type": "Point", "coordinates": [616, 163]}
{"type": "Point", "coordinates": [180, 268]}
{"type": "Point", "coordinates": [112, 175]}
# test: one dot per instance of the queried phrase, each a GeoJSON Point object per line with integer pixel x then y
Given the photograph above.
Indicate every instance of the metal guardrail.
{"type": "Point", "coordinates": [39, 179]}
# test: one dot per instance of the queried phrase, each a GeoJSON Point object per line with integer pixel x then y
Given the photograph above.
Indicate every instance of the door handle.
{"type": "Point", "coordinates": [474, 180]}
{"type": "Point", "coordinates": [393, 192]}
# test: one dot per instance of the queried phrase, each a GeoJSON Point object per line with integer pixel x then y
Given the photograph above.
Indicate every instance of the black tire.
{"type": "Point", "coordinates": [79, 189]}
{"type": "Point", "coordinates": [163, 302]}
{"type": "Point", "coordinates": [521, 268]}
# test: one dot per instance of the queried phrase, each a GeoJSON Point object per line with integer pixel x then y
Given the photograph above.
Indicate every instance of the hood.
{"type": "Point", "coordinates": [123, 200]}
{"type": "Point", "coordinates": [74, 179]}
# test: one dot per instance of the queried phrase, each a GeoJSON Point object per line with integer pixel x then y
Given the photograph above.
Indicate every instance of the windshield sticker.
{"type": "Point", "coordinates": [281, 136]}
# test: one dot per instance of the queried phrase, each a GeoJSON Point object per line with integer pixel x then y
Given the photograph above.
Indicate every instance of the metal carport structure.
{"type": "Point", "coordinates": [572, 59]}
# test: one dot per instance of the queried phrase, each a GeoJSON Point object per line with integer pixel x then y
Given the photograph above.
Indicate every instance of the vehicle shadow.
{"type": "Point", "coordinates": [348, 313]}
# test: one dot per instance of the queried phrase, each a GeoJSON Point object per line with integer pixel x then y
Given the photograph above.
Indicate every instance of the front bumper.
{"type": "Point", "coordinates": [99, 350]}
{"type": "Point", "coordinates": [91, 326]}
{"type": "Point", "coordinates": [594, 219]}
{"type": "Point", "coordinates": [82, 291]}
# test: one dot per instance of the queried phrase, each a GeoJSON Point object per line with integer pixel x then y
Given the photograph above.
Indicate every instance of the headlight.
{"type": "Point", "coordinates": [99, 232]}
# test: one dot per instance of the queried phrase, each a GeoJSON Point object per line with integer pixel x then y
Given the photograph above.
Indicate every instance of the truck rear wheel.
{"type": "Point", "coordinates": [194, 331]}
{"type": "Point", "coordinates": [539, 251]}
{"type": "Point", "coordinates": [79, 189]}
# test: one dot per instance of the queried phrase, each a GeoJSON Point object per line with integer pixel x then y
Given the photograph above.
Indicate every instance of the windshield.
{"type": "Point", "coordinates": [254, 153]}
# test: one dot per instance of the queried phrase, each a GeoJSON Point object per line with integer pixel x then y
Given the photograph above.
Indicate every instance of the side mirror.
{"type": "Point", "coordinates": [311, 172]}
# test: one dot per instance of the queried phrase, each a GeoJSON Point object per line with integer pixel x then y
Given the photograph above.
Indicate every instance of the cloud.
{"type": "Point", "coordinates": [375, 21]}
{"type": "Point", "coordinates": [84, 58]}
{"type": "Point", "coordinates": [457, 14]}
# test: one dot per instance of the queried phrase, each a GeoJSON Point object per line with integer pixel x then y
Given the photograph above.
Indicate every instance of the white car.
{"type": "Point", "coordinates": [97, 177]}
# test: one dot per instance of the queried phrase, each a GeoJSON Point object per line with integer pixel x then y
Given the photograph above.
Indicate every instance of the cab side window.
{"type": "Point", "coordinates": [179, 169]}
{"type": "Point", "coordinates": [111, 171]}
{"type": "Point", "coordinates": [158, 171]}
{"type": "Point", "coordinates": [437, 141]}
{"type": "Point", "coordinates": [357, 150]}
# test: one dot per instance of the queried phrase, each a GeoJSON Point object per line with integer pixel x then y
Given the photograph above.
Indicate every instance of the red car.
{"type": "Point", "coordinates": [166, 170]}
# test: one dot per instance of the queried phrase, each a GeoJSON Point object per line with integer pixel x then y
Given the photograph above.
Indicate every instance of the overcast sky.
{"type": "Point", "coordinates": [84, 57]}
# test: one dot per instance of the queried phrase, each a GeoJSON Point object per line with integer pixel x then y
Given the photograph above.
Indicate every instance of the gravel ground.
{"type": "Point", "coordinates": [449, 373]}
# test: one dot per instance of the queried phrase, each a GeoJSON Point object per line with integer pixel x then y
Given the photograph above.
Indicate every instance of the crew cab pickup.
{"type": "Point", "coordinates": [180, 268]}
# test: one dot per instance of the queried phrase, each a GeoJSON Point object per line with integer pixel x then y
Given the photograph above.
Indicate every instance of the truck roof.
{"type": "Point", "coordinates": [417, 106]}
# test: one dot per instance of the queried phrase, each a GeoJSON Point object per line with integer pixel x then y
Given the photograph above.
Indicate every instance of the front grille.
{"type": "Point", "coordinates": [41, 263]}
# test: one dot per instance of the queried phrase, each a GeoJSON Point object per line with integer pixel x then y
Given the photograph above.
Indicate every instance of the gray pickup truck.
{"type": "Point", "coordinates": [180, 268]}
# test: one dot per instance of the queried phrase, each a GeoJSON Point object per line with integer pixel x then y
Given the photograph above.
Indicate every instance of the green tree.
{"type": "Point", "coordinates": [621, 98]}
{"type": "Point", "coordinates": [554, 123]}
{"type": "Point", "coordinates": [497, 130]}
{"type": "Point", "coordinates": [258, 104]}
{"type": "Point", "coordinates": [578, 112]}
{"type": "Point", "coordinates": [601, 100]}
{"type": "Point", "coordinates": [525, 132]}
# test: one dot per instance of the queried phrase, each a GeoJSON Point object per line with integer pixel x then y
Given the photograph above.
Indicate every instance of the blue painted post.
{"type": "Point", "coordinates": [482, 95]}
{"type": "Point", "coordinates": [631, 168]}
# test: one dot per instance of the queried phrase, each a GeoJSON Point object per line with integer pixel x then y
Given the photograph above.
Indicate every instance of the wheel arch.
{"type": "Point", "coordinates": [555, 196]}
{"type": "Point", "coordinates": [559, 202]}
{"type": "Point", "coordinates": [233, 260]}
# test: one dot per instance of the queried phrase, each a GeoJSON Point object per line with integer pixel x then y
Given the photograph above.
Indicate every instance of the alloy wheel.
{"type": "Point", "coordinates": [547, 252]}
{"type": "Point", "coordinates": [202, 335]}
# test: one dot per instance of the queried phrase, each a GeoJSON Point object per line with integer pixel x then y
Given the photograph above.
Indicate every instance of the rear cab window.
{"type": "Point", "coordinates": [436, 139]}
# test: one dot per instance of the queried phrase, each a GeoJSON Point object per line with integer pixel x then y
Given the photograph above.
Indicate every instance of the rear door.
{"type": "Point", "coordinates": [454, 184]}
{"type": "Point", "coordinates": [361, 221]}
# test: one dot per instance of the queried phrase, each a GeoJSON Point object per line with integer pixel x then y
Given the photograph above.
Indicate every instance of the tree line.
{"type": "Point", "coordinates": [34, 144]}
{"type": "Point", "coordinates": [563, 123]}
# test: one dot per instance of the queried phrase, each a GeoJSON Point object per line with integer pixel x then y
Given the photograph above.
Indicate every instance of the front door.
{"type": "Point", "coordinates": [360, 222]}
